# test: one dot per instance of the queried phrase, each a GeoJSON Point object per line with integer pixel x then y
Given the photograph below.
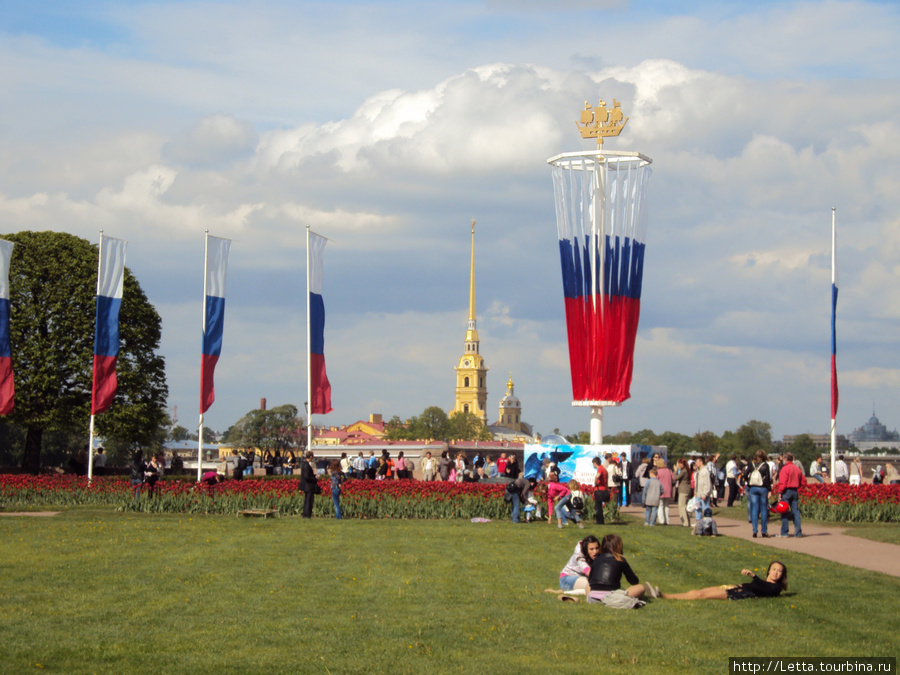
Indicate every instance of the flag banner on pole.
{"type": "Point", "coordinates": [214, 320]}
{"type": "Point", "coordinates": [601, 221]}
{"type": "Point", "coordinates": [321, 387]}
{"type": "Point", "coordinates": [834, 297]}
{"type": "Point", "coordinates": [7, 387]}
{"type": "Point", "coordinates": [111, 275]}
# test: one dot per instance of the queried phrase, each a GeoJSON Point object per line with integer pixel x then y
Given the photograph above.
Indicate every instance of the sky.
{"type": "Point", "coordinates": [388, 126]}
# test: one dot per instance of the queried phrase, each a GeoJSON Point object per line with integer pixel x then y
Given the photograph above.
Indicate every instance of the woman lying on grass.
{"type": "Point", "coordinates": [776, 581]}
{"type": "Point", "coordinates": [573, 579]}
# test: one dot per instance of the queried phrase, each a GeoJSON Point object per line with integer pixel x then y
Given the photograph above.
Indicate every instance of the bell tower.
{"type": "Point", "coordinates": [471, 373]}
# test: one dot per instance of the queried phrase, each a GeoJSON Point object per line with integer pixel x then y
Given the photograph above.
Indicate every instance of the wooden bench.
{"type": "Point", "coordinates": [255, 513]}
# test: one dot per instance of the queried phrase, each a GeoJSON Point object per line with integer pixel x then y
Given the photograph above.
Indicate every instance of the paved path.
{"type": "Point", "coordinates": [823, 542]}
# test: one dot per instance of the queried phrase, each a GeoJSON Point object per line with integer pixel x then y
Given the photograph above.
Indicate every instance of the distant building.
{"type": "Point", "coordinates": [471, 373]}
{"type": "Point", "coordinates": [510, 426]}
{"type": "Point", "coordinates": [873, 431]}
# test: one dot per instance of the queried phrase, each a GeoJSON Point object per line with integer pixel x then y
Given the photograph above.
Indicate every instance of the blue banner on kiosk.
{"type": "Point", "coordinates": [575, 461]}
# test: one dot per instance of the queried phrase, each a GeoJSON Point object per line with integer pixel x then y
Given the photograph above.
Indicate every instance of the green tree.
{"type": "Point", "coordinates": [804, 449]}
{"type": "Point", "coordinates": [707, 443]}
{"type": "Point", "coordinates": [277, 428]}
{"type": "Point", "coordinates": [465, 426]}
{"type": "Point", "coordinates": [396, 430]}
{"type": "Point", "coordinates": [432, 424]}
{"type": "Point", "coordinates": [53, 280]}
{"type": "Point", "coordinates": [179, 433]}
{"type": "Point", "coordinates": [755, 434]}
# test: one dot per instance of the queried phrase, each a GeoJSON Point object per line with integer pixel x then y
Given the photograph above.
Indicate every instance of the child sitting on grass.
{"type": "Point", "coordinates": [706, 526]}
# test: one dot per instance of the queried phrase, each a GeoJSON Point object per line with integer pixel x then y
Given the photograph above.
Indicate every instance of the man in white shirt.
{"type": "Point", "coordinates": [841, 472]}
{"type": "Point", "coordinates": [100, 463]}
{"type": "Point", "coordinates": [731, 474]}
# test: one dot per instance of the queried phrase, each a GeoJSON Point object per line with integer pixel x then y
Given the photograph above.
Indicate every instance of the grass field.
{"type": "Point", "coordinates": [96, 591]}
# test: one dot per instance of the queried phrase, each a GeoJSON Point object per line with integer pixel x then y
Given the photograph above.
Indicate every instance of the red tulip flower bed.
{"type": "Point", "coordinates": [842, 502]}
{"type": "Point", "coordinates": [360, 498]}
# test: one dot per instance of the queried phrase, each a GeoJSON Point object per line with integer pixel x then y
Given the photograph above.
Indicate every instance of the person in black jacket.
{"type": "Point", "coordinates": [137, 473]}
{"type": "Point", "coordinates": [775, 582]}
{"type": "Point", "coordinates": [308, 484]}
{"type": "Point", "coordinates": [608, 568]}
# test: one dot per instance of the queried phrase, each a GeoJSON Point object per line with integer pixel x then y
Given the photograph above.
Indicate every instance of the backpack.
{"type": "Point", "coordinates": [705, 528]}
{"type": "Point", "coordinates": [577, 503]}
{"type": "Point", "coordinates": [756, 478]}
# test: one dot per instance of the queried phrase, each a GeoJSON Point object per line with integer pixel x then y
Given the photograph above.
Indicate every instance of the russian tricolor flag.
{"type": "Point", "coordinates": [320, 387]}
{"type": "Point", "coordinates": [110, 277]}
{"type": "Point", "coordinates": [7, 388]}
{"type": "Point", "coordinates": [214, 315]}
{"type": "Point", "coordinates": [834, 297]}
{"type": "Point", "coordinates": [601, 251]}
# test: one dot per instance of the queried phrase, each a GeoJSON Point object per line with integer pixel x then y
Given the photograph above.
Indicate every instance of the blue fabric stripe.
{"type": "Point", "coordinates": [106, 330]}
{"type": "Point", "coordinates": [215, 324]}
{"type": "Point", "coordinates": [5, 347]}
{"type": "Point", "coordinates": [316, 324]}
{"type": "Point", "coordinates": [623, 268]}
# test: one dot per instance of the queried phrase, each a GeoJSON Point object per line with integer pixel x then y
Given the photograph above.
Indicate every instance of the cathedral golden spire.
{"type": "Point", "coordinates": [471, 333]}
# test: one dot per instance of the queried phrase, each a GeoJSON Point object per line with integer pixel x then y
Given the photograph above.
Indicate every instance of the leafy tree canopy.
{"type": "Point", "coordinates": [52, 285]}
{"type": "Point", "coordinates": [277, 428]}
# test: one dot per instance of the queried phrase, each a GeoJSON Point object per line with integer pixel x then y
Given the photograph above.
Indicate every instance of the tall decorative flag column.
{"type": "Point", "coordinates": [215, 267]}
{"type": "Point", "coordinates": [601, 219]}
{"type": "Point", "coordinates": [834, 381]}
{"type": "Point", "coordinates": [7, 386]}
{"type": "Point", "coordinates": [110, 278]}
{"type": "Point", "coordinates": [318, 386]}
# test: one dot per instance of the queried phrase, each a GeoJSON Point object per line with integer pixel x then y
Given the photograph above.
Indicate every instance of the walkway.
{"type": "Point", "coordinates": [823, 542]}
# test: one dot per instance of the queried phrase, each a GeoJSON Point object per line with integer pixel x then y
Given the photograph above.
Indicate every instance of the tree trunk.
{"type": "Point", "coordinates": [31, 458]}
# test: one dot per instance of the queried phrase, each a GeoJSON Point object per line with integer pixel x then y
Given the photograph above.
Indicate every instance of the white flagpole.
{"type": "Point", "coordinates": [309, 404]}
{"type": "Point", "coordinates": [833, 318]}
{"type": "Point", "coordinates": [203, 325]}
{"type": "Point", "coordinates": [90, 467]}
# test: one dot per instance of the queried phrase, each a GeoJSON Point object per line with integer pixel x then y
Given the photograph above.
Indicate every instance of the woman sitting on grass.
{"type": "Point", "coordinates": [607, 570]}
{"type": "Point", "coordinates": [776, 581]}
{"type": "Point", "coordinates": [573, 580]}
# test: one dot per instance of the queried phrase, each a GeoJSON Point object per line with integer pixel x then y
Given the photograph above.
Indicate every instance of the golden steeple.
{"type": "Point", "coordinates": [471, 333]}
{"type": "Point", "coordinates": [471, 373]}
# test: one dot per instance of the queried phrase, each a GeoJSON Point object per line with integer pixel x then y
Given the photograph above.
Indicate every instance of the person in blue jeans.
{"type": "Point", "coordinates": [514, 492]}
{"type": "Point", "coordinates": [337, 479]}
{"type": "Point", "coordinates": [759, 481]}
{"type": "Point", "coordinates": [790, 479]}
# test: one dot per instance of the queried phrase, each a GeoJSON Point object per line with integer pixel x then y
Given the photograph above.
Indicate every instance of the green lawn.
{"type": "Point", "coordinates": [93, 591]}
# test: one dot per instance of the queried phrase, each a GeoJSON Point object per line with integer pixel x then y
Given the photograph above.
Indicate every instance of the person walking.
{"type": "Point", "coordinates": [429, 467]}
{"type": "Point", "coordinates": [652, 495]}
{"type": "Point", "coordinates": [667, 480]}
{"type": "Point", "coordinates": [790, 478]}
{"type": "Point", "coordinates": [683, 489]}
{"type": "Point", "coordinates": [760, 482]}
{"type": "Point", "coordinates": [337, 479]}
{"type": "Point", "coordinates": [703, 487]}
{"type": "Point", "coordinates": [601, 490]}
{"type": "Point", "coordinates": [731, 476]}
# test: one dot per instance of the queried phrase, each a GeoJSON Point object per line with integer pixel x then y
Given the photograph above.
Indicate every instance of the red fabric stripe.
{"type": "Point", "coordinates": [207, 387]}
{"type": "Point", "coordinates": [7, 387]}
{"type": "Point", "coordinates": [321, 387]}
{"type": "Point", "coordinates": [601, 346]}
{"type": "Point", "coordinates": [834, 388]}
{"type": "Point", "coordinates": [104, 386]}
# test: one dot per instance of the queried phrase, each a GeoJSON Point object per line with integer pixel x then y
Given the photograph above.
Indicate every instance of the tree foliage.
{"type": "Point", "coordinates": [53, 281]}
{"type": "Point", "coordinates": [804, 449]}
{"type": "Point", "coordinates": [277, 428]}
{"type": "Point", "coordinates": [433, 424]}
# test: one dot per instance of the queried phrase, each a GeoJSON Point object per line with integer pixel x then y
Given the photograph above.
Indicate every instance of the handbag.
{"type": "Point", "coordinates": [603, 495]}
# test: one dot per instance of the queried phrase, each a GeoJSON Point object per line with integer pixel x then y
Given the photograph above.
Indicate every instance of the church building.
{"type": "Point", "coordinates": [471, 373]}
{"type": "Point", "coordinates": [471, 381]}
